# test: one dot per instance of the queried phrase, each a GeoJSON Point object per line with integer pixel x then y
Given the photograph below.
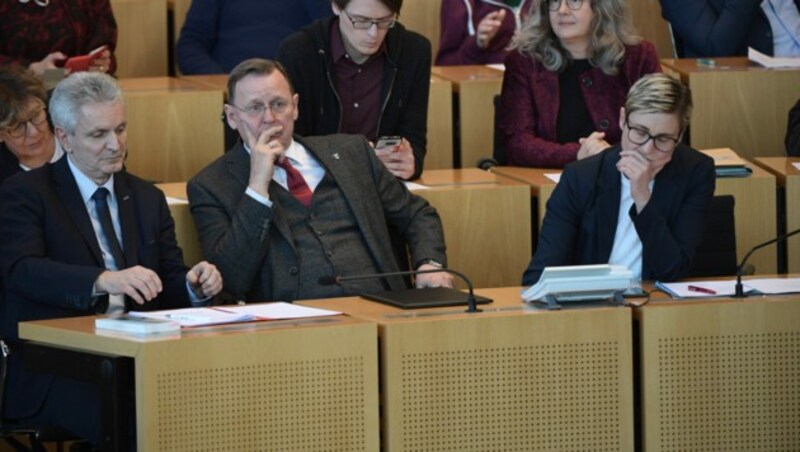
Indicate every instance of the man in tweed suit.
{"type": "Point", "coordinates": [277, 212]}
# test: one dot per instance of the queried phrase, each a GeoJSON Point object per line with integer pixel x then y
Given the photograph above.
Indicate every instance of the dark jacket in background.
{"type": "Point", "coordinates": [717, 28]}
{"type": "Point", "coordinates": [219, 34]}
{"type": "Point", "coordinates": [404, 92]}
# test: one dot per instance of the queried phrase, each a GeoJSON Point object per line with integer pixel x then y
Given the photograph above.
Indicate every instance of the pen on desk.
{"type": "Point", "coordinates": [702, 290]}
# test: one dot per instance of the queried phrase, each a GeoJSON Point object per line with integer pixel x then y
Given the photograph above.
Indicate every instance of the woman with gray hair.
{"type": "Point", "coordinates": [566, 78]}
{"type": "Point", "coordinates": [642, 203]}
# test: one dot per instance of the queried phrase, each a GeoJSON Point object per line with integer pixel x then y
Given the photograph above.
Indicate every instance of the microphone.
{"type": "Point", "coordinates": [471, 304]}
{"type": "Point", "coordinates": [739, 287]}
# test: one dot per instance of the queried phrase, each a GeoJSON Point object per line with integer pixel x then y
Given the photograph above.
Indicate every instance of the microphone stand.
{"type": "Point", "coordinates": [472, 306]}
{"type": "Point", "coordinates": [739, 291]}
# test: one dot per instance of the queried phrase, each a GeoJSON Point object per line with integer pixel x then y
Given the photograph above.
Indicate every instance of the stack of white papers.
{"type": "Point", "coordinates": [771, 62]}
{"type": "Point", "coordinates": [218, 315]}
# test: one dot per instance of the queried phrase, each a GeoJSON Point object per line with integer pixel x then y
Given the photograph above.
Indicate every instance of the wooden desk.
{"type": "Point", "coordinates": [739, 105]}
{"type": "Point", "coordinates": [511, 377]}
{"type": "Point", "coordinates": [174, 128]}
{"type": "Point", "coordinates": [720, 374]}
{"type": "Point", "coordinates": [254, 386]}
{"type": "Point", "coordinates": [142, 38]}
{"type": "Point", "coordinates": [788, 178]}
{"type": "Point", "coordinates": [475, 88]}
{"type": "Point", "coordinates": [486, 222]}
{"type": "Point", "coordinates": [755, 207]}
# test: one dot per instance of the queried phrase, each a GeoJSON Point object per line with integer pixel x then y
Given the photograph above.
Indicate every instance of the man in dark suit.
{"type": "Point", "coordinates": [83, 236]}
{"type": "Point", "coordinates": [278, 212]}
{"type": "Point", "coordinates": [641, 203]}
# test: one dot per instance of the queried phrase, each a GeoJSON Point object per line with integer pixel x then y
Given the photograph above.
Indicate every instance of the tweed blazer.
{"type": "Point", "coordinates": [251, 244]}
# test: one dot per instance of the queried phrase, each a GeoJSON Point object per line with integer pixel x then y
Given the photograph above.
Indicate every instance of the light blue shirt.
{"type": "Point", "coordinates": [784, 19]}
{"type": "Point", "coordinates": [303, 161]}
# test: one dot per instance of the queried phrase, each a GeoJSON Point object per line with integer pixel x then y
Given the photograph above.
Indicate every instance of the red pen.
{"type": "Point", "coordinates": [702, 290]}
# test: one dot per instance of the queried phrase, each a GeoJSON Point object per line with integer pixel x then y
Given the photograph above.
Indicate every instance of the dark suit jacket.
{"type": "Point", "coordinates": [53, 260]}
{"type": "Point", "coordinates": [582, 213]}
{"type": "Point", "coordinates": [251, 244]}
{"type": "Point", "coordinates": [716, 28]}
{"type": "Point", "coordinates": [793, 131]}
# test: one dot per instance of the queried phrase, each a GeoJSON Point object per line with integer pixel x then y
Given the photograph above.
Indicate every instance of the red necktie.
{"type": "Point", "coordinates": [297, 185]}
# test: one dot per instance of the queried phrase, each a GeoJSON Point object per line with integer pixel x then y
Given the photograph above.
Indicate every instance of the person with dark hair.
{"type": "Point", "coordinates": [278, 211]}
{"type": "Point", "coordinates": [42, 34]}
{"type": "Point", "coordinates": [26, 141]}
{"type": "Point", "coordinates": [478, 31]}
{"type": "Point", "coordinates": [566, 78]}
{"type": "Point", "coordinates": [362, 72]}
{"type": "Point", "coordinates": [217, 35]}
{"type": "Point", "coordinates": [721, 28]}
{"type": "Point", "coordinates": [642, 203]}
{"type": "Point", "coordinates": [793, 132]}
{"type": "Point", "coordinates": [86, 237]}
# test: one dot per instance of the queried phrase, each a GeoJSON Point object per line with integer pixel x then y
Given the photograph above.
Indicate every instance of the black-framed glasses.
{"type": "Point", "coordinates": [256, 110]}
{"type": "Point", "coordinates": [36, 119]}
{"type": "Point", "coordinates": [662, 143]}
{"type": "Point", "coordinates": [555, 5]}
{"type": "Point", "coordinates": [366, 24]}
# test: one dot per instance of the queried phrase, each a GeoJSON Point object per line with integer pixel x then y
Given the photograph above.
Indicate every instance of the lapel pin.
{"type": "Point", "coordinates": [336, 156]}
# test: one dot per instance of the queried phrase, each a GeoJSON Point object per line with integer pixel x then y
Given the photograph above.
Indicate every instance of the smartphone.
{"type": "Point", "coordinates": [82, 62]}
{"type": "Point", "coordinates": [388, 142]}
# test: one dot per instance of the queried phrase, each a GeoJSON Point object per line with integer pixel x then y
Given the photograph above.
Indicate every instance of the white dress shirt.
{"type": "Point", "coordinates": [627, 248]}
{"type": "Point", "coordinates": [784, 19]}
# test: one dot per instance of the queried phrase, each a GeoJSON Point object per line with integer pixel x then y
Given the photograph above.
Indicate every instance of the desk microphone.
{"type": "Point", "coordinates": [739, 287]}
{"type": "Point", "coordinates": [471, 304]}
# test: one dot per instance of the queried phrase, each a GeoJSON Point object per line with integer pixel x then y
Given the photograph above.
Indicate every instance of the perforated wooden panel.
{"type": "Point", "coordinates": [300, 405]}
{"type": "Point", "coordinates": [729, 392]}
{"type": "Point", "coordinates": [547, 397]}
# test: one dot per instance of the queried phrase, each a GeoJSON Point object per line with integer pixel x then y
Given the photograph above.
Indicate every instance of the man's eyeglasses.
{"type": "Point", "coordinates": [37, 118]}
{"type": "Point", "coordinates": [555, 5]}
{"type": "Point", "coordinates": [366, 24]}
{"type": "Point", "coordinates": [662, 143]}
{"type": "Point", "coordinates": [257, 110]}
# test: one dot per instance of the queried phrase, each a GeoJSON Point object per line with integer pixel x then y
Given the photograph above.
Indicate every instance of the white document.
{"type": "Point", "coordinates": [176, 201]}
{"type": "Point", "coordinates": [189, 317]}
{"type": "Point", "coordinates": [498, 67]}
{"type": "Point", "coordinates": [771, 62]}
{"type": "Point", "coordinates": [411, 186]}
{"type": "Point", "coordinates": [700, 289]}
{"type": "Point", "coordinates": [278, 311]}
{"type": "Point", "coordinates": [796, 165]}
{"type": "Point", "coordinates": [772, 286]}
{"type": "Point", "coordinates": [555, 177]}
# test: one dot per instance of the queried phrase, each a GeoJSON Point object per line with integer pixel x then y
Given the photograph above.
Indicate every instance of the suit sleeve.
{"type": "Point", "coordinates": [557, 239]}
{"type": "Point", "coordinates": [234, 233]}
{"type": "Point", "coordinates": [669, 245]}
{"type": "Point", "coordinates": [171, 268]}
{"type": "Point", "coordinates": [415, 219]}
{"type": "Point", "coordinates": [26, 269]}
{"type": "Point", "coordinates": [519, 121]}
{"type": "Point", "coordinates": [709, 32]}
{"type": "Point", "coordinates": [198, 37]}
{"type": "Point", "coordinates": [793, 132]}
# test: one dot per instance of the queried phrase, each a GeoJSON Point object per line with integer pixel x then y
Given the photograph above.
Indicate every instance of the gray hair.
{"type": "Point", "coordinates": [660, 93]}
{"type": "Point", "coordinates": [77, 90]}
{"type": "Point", "coordinates": [611, 27]}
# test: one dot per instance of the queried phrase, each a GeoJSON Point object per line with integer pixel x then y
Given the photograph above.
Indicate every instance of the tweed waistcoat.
{"type": "Point", "coordinates": [328, 241]}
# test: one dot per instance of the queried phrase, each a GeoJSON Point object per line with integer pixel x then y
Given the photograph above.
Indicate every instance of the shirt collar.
{"type": "Point", "coordinates": [296, 152]}
{"type": "Point", "coordinates": [87, 186]}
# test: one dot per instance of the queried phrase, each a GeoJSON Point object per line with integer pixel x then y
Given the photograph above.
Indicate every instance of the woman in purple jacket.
{"type": "Point", "coordinates": [478, 31]}
{"type": "Point", "coordinates": [566, 79]}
